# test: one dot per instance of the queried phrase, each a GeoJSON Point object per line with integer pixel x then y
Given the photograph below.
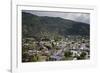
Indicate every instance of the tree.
{"type": "Point", "coordinates": [82, 56]}
{"type": "Point", "coordinates": [68, 54]}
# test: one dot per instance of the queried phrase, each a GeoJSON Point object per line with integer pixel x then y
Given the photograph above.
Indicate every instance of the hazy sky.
{"type": "Point", "coordinates": [80, 17]}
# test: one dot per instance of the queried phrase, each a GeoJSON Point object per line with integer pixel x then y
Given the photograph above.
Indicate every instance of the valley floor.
{"type": "Point", "coordinates": [69, 48]}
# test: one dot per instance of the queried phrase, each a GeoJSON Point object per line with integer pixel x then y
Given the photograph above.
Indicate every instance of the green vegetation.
{"type": "Point", "coordinates": [82, 56]}
{"type": "Point", "coordinates": [68, 54]}
{"type": "Point", "coordinates": [36, 26]}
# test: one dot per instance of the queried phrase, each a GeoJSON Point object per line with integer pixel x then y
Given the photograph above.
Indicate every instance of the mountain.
{"type": "Point", "coordinates": [33, 25]}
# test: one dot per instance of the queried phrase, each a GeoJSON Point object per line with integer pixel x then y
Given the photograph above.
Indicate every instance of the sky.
{"type": "Point", "coordinates": [76, 16]}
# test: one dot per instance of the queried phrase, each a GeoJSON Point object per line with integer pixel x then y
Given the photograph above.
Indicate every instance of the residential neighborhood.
{"type": "Point", "coordinates": [65, 49]}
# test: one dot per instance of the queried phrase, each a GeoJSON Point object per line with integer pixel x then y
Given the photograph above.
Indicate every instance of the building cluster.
{"type": "Point", "coordinates": [69, 48]}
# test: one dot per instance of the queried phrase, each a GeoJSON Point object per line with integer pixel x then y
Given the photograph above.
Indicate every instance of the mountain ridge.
{"type": "Point", "coordinates": [33, 25]}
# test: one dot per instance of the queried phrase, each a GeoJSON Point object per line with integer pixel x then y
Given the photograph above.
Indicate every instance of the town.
{"type": "Point", "coordinates": [71, 47]}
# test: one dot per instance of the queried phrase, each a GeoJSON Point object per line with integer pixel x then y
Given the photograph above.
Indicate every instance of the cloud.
{"type": "Point", "coordinates": [76, 16]}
